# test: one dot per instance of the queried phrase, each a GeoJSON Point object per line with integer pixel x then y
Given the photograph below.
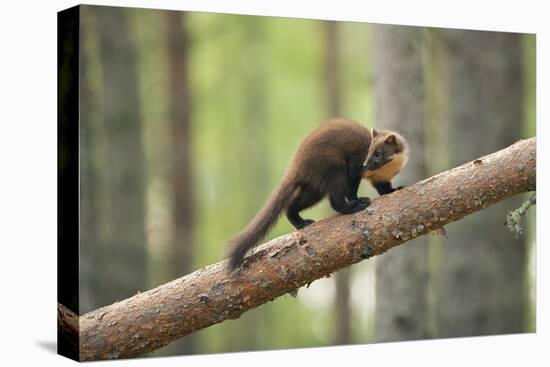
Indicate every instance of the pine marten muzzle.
{"type": "Point", "coordinates": [387, 155]}
{"type": "Point", "coordinates": [330, 162]}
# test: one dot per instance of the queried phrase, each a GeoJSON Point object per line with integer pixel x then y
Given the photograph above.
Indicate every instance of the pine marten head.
{"type": "Point", "coordinates": [387, 155]}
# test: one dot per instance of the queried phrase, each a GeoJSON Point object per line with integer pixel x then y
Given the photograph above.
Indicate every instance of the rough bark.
{"type": "Point", "coordinates": [399, 88]}
{"type": "Point", "coordinates": [67, 332]}
{"type": "Point", "coordinates": [481, 283]}
{"type": "Point", "coordinates": [211, 295]}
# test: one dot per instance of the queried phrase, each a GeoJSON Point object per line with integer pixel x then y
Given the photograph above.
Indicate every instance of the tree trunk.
{"type": "Point", "coordinates": [402, 275]}
{"type": "Point", "coordinates": [333, 98]}
{"type": "Point", "coordinates": [124, 255]}
{"type": "Point", "coordinates": [211, 295]}
{"type": "Point", "coordinates": [481, 284]}
{"type": "Point", "coordinates": [256, 177]}
{"type": "Point", "coordinates": [181, 173]}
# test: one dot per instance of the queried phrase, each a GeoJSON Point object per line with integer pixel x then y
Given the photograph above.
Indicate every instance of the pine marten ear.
{"type": "Point", "coordinates": [374, 132]}
{"type": "Point", "coordinates": [390, 140]}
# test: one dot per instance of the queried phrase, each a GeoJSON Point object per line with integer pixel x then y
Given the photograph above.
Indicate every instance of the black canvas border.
{"type": "Point", "coordinates": [68, 51]}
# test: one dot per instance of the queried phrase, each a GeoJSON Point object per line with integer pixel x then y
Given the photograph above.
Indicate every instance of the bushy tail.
{"type": "Point", "coordinates": [261, 224]}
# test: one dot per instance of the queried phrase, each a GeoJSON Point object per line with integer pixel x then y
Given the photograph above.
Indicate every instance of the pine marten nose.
{"type": "Point", "coordinates": [371, 165]}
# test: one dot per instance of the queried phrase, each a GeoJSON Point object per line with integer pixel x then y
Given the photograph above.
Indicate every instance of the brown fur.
{"type": "Point", "coordinates": [329, 162]}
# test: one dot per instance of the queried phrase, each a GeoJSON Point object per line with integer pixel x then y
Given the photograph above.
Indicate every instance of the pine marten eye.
{"type": "Point", "coordinates": [378, 154]}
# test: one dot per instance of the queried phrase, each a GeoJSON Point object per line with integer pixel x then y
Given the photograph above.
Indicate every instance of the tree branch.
{"type": "Point", "coordinates": [67, 332]}
{"type": "Point", "coordinates": [210, 295]}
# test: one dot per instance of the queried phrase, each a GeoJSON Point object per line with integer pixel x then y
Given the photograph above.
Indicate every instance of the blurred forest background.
{"type": "Point", "coordinates": [189, 120]}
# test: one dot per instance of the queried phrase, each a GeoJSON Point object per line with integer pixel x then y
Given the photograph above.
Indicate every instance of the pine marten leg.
{"type": "Point", "coordinates": [305, 198]}
{"type": "Point", "coordinates": [338, 189]}
{"type": "Point", "coordinates": [354, 179]}
{"type": "Point", "coordinates": [385, 187]}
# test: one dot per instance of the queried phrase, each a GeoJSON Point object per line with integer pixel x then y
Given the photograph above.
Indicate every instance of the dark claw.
{"type": "Point", "coordinates": [305, 223]}
{"type": "Point", "coordinates": [362, 203]}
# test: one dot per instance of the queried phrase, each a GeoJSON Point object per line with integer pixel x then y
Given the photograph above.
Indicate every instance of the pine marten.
{"type": "Point", "coordinates": [330, 162]}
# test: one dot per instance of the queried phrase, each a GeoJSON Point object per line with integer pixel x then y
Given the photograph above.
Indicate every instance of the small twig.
{"type": "Point", "coordinates": [514, 217]}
